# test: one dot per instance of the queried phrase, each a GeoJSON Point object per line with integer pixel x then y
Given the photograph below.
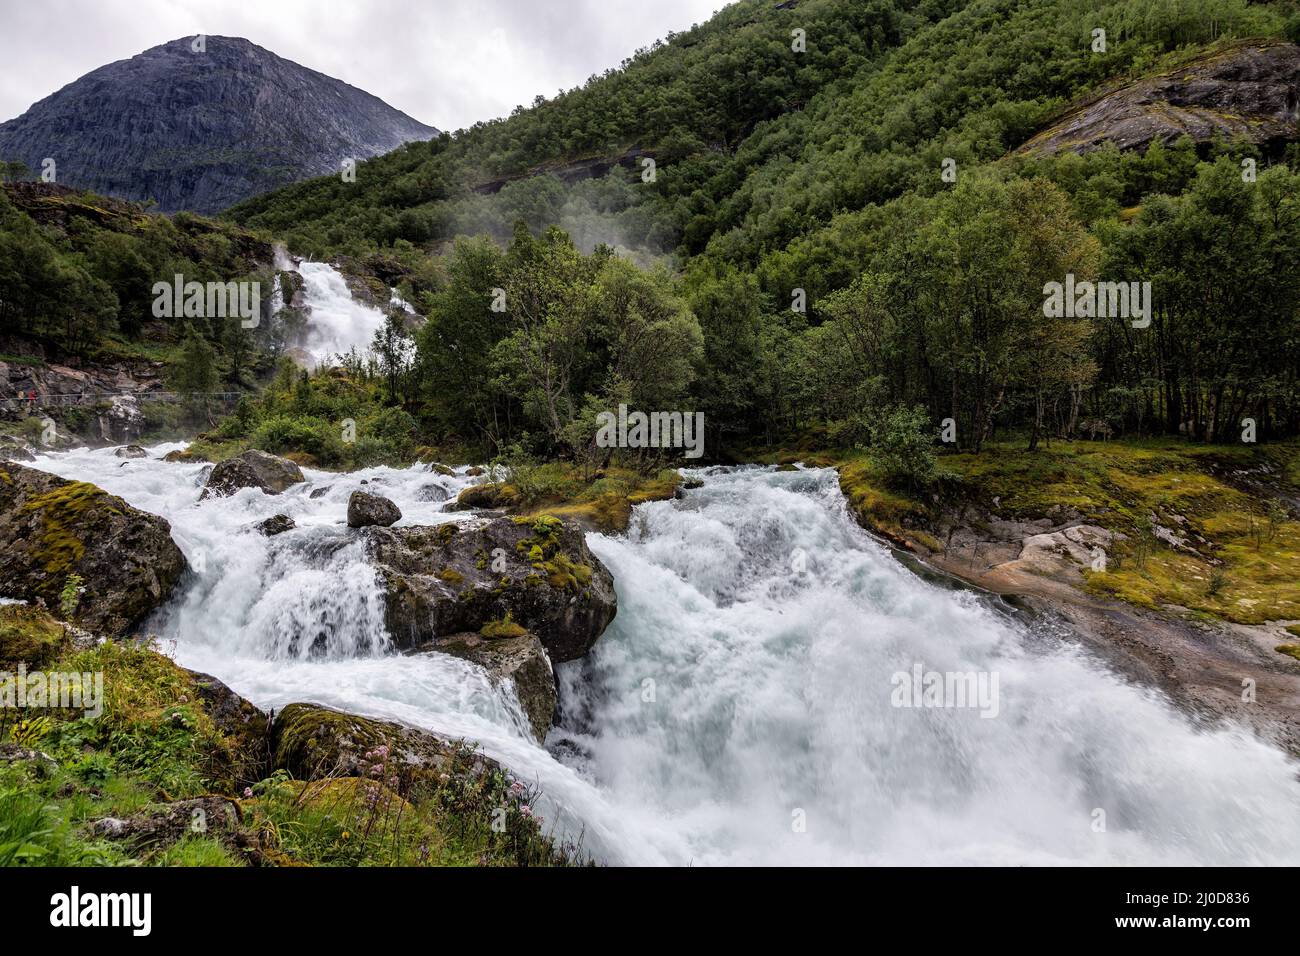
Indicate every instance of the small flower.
{"type": "Point", "coordinates": [248, 792]}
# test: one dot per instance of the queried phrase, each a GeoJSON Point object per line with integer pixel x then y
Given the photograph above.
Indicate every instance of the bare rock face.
{"type": "Point", "coordinates": [367, 510]}
{"type": "Point", "coordinates": [1251, 89]}
{"type": "Point", "coordinates": [1066, 553]}
{"type": "Point", "coordinates": [253, 469]}
{"type": "Point", "coordinates": [203, 127]}
{"type": "Point", "coordinates": [533, 574]}
{"type": "Point", "coordinates": [53, 529]}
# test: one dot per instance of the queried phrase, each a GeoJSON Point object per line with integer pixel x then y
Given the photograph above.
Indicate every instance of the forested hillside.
{"type": "Point", "coordinates": [853, 229]}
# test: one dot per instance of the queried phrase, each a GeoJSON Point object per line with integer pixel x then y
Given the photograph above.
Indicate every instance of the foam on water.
{"type": "Point", "coordinates": [733, 695]}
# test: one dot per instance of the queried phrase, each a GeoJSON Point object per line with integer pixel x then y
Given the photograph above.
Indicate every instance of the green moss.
{"type": "Point", "coordinates": [1291, 650]}
{"type": "Point", "coordinates": [503, 628]}
{"type": "Point", "coordinates": [563, 572]}
{"type": "Point", "coordinates": [451, 576]}
{"type": "Point", "coordinates": [61, 510]}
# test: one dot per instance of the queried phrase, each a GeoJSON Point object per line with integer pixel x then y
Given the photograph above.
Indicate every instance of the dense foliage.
{"type": "Point", "coordinates": [749, 219]}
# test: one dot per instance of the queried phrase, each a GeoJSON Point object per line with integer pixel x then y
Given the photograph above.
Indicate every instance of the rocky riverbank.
{"type": "Point", "coordinates": [508, 595]}
{"type": "Point", "coordinates": [1149, 557]}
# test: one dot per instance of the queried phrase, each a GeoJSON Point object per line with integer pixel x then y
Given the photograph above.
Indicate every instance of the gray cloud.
{"type": "Point", "coordinates": [448, 63]}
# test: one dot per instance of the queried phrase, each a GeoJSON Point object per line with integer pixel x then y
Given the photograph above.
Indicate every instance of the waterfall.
{"type": "Point", "coordinates": [743, 706]}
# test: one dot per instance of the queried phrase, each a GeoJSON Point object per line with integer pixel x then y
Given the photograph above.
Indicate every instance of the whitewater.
{"type": "Point", "coordinates": [740, 709]}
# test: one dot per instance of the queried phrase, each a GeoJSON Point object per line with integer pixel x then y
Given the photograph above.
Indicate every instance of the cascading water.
{"type": "Point", "coordinates": [735, 696]}
{"type": "Point", "coordinates": [338, 323]}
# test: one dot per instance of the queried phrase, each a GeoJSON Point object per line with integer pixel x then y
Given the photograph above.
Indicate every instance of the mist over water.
{"type": "Point", "coordinates": [770, 698]}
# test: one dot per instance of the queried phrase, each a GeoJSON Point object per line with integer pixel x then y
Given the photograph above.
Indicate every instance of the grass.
{"type": "Point", "coordinates": [1242, 562]}
{"type": "Point", "coordinates": [156, 742]}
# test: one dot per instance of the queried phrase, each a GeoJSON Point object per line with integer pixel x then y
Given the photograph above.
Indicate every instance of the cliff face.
{"type": "Point", "coordinates": [1250, 89]}
{"type": "Point", "coordinates": [203, 130]}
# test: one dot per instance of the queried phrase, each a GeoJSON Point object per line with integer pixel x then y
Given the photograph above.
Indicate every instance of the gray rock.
{"type": "Point", "coordinates": [522, 660]}
{"type": "Point", "coordinates": [54, 528]}
{"type": "Point", "coordinates": [253, 469]}
{"type": "Point", "coordinates": [536, 574]}
{"type": "Point", "coordinates": [1248, 90]}
{"type": "Point", "coordinates": [131, 451]}
{"type": "Point", "coordinates": [366, 510]}
{"type": "Point", "coordinates": [276, 524]}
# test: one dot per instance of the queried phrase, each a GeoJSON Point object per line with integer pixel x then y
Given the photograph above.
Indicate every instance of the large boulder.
{"type": "Point", "coordinates": [253, 469]}
{"type": "Point", "coordinates": [313, 743]}
{"type": "Point", "coordinates": [52, 529]}
{"type": "Point", "coordinates": [457, 578]}
{"type": "Point", "coordinates": [367, 510]}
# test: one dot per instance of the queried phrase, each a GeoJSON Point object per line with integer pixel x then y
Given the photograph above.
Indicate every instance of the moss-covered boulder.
{"type": "Point", "coordinates": [457, 578]}
{"type": "Point", "coordinates": [312, 742]}
{"type": "Point", "coordinates": [253, 469]}
{"type": "Point", "coordinates": [486, 495]}
{"type": "Point", "coordinates": [53, 529]}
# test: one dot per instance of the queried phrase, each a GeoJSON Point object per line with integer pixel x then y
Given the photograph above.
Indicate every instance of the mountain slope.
{"type": "Point", "coordinates": [203, 130]}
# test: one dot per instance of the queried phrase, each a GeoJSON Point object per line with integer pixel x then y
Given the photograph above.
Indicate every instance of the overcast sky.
{"type": "Point", "coordinates": [448, 63]}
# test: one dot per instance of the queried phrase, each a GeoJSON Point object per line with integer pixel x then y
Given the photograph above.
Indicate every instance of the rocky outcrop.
{"type": "Point", "coordinates": [1250, 90]}
{"type": "Point", "coordinates": [367, 510]}
{"type": "Point", "coordinates": [253, 469]}
{"type": "Point", "coordinates": [519, 658]}
{"type": "Point", "coordinates": [53, 529]}
{"type": "Point", "coordinates": [536, 573]}
{"type": "Point", "coordinates": [313, 742]}
{"type": "Point", "coordinates": [201, 129]}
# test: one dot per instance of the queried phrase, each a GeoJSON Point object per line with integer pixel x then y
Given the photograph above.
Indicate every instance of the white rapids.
{"type": "Point", "coordinates": [738, 710]}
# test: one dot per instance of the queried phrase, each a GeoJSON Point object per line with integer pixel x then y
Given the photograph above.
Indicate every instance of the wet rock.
{"type": "Point", "coordinates": [366, 510]}
{"type": "Point", "coordinates": [535, 572]}
{"type": "Point", "coordinates": [123, 421]}
{"type": "Point", "coordinates": [432, 493]}
{"type": "Point", "coordinates": [52, 529]}
{"type": "Point", "coordinates": [247, 756]}
{"type": "Point", "coordinates": [320, 492]}
{"type": "Point", "coordinates": [276, 524]}
{"type": "Point", "coordinates": [520, 659]}
{"type": "Point", "coordinates": [473, 472]}
{"type": "Point", "coordinates": [253, 469]}
{"type": "Point", "coordinates": [131, 451]}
